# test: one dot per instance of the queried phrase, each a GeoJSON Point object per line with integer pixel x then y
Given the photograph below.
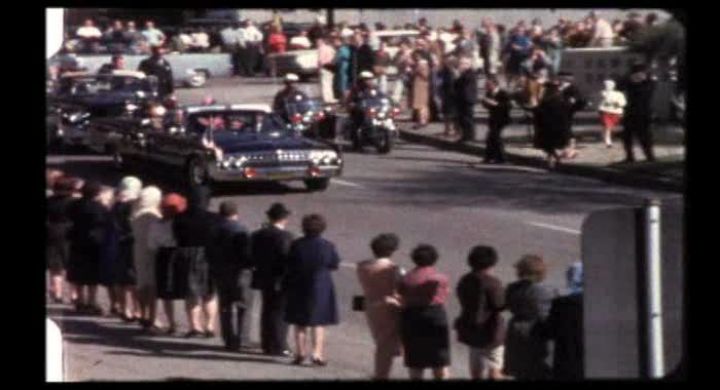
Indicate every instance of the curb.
{"type": "Point", "coordinates": [606, 174]}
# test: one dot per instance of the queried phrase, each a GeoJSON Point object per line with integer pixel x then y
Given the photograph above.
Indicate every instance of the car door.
{"type": "Point", "coordinates": [174, 145]}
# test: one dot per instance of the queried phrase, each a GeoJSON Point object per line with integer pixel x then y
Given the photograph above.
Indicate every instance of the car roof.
{"type": "Point", "coordinates": [228, 107]}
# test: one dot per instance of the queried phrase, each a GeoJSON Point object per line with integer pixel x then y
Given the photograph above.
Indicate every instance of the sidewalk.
{"type": "Point", "coordinates": [594, 159]}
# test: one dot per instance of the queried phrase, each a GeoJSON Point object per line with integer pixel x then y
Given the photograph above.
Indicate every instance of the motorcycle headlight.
{"type": "Point", "coordinates": [76, 116]}
{"type": "Point", "coordinates": [159, 111]}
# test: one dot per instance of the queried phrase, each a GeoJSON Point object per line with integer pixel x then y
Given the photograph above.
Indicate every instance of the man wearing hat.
{"type": "Point", "coordinates": [233, 266]}
{"type": "Point", "coordinates": [269, 248]}
{"type": "Point", "coordinates": [290, 93]}
{"type": "Point", "coordinates": [638, 88]}
{"type": "Point", "coordinates": [157, 66]}
{"type": "Point", "coordinates": [363, 88]}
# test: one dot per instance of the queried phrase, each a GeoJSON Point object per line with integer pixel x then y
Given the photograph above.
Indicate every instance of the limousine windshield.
{"type": "Point", "coordinates": [224, 124]}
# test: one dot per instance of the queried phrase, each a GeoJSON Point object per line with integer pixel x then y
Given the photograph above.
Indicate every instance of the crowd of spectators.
{"type": "Point", "coordinates": [145, 247]}
{"type": "Point", "coordinates": [123, 36]}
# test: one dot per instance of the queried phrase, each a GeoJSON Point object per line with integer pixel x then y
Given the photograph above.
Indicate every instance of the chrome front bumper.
{"type": "Point", "coordinates": [279, 173]}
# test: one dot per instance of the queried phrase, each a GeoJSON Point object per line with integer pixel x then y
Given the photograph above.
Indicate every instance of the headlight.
{"type": "Point", "coordinates": [76, 117]}
{"type": "Point", "coordinates": [159, 111]}
{"type": "Point", "coordinates": [324, 156]}
{"type": "Point", "coordinates": [131, 107]}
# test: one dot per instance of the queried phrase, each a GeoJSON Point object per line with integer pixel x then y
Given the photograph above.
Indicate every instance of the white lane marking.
{"type": "Point", "coordinates": [346, 183]}
{"type": "Point", "coordinates": [347, 265]}
{"type": "Point", "coordinates": [554, 227]}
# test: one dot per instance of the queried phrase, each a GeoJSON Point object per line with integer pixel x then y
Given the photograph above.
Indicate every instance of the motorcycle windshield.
{"type": "Point", "coordinates": [380, 103]}
{"type": "Point", "coordinates": [304, 106]}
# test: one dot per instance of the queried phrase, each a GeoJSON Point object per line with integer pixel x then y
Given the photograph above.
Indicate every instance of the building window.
{"type": "Point", "coordinates": [601, 64]}
{"type": "Point", "coordinates": [588, 63]}
{"type": "Point", "coordinates": [615, 63]}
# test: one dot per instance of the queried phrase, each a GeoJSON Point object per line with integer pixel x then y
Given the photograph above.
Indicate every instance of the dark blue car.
{"type": "Point", "coordinates": [237, 143]}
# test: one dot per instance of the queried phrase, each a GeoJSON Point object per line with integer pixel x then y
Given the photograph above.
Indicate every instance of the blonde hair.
{"type": "Point", "coordinates": [531, 267]}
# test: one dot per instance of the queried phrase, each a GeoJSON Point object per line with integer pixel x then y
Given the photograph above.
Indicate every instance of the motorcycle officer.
{"type": "Point", "coordinates": [290, 93]}
{"type": "Point", "coordinates": [365, 88]}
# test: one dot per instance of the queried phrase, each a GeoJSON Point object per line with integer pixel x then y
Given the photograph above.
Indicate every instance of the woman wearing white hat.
{"type": "Point", "coordinates": [611, 108]}
{"type": "Point", "coordinates": [146, 214]}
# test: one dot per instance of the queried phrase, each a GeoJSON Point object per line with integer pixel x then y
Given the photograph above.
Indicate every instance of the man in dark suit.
{"type": "Point", "coordinates": [233, 266]}
{"type": "Point", "coordinates": [466, 97]}
{"type": "Point", "coordinates": [117, 62]}
{"type": "Point", "coordinates": [576, 101]}
{"type": "Point", "coordinates": [497, 101]}
{"type": "Point", "coordinates": [638, 89]}
{"type": "Point", "coordinates": [157, 66]}
{"type": "Point", "coordinates": [365, 56]}
{"type": "Point", "coordinates": [269, 249]}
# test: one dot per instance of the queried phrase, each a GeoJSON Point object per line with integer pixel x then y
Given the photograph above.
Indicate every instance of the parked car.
{"type": "Point", "coordinates": [189, 69]}
{"type": "Point", "coordinates": [304, 63]}
{"type": "Point", "coordinates": [80, 98]}
{"type": "Point", "coordinates": [229, 143]}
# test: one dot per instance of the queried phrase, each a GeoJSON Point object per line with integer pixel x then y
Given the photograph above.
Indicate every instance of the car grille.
{"type": "Point", "coordinates": [289, 156]}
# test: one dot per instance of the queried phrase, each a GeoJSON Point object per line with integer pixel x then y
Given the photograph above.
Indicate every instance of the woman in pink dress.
{"type": "Point", "coordinates": [378, 278]}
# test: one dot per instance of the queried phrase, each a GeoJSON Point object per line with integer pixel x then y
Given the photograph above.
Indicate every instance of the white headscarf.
{"type": "Point", "coordinates": [149, 201]}
{"type": "Point", "coordinates": [609, 85]}
{"type": "Point", "coordinates": [129, 188]}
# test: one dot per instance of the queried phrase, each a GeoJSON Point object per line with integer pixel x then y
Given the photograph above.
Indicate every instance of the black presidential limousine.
{"type": "Point", "coordinates": [220, 143]}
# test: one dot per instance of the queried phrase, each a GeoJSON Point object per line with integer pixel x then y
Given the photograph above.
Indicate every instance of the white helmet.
{"type": "Point", "coordinates": [366, 75]}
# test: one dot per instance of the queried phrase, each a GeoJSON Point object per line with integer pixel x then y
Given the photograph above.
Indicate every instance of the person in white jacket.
{"type": "Point", "coordinates": [147, 214]}
{"type": "Point", "coordinates": [612, 103]}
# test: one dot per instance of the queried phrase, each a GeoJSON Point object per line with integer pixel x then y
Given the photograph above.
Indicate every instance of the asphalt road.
{"type": "Point", "coordinates": [422, 194]}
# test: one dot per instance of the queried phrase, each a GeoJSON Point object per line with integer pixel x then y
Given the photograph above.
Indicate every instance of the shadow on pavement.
{"type": "Point", "coordinates": [129, 340]}
{"type": "Point", "coordinates": [463, 185]}
{"type": "Point", "coordinates": [105, 173]}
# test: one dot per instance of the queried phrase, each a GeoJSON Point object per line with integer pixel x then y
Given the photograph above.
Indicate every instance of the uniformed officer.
{"type": "Point", "coordinates": [638, 88]}
{"type": "Point", "coordinates": [287, 95]}
{"type": "Point", "coordinates": [366, 86]}
{"type": "Point", "coordinates": [157, 66]}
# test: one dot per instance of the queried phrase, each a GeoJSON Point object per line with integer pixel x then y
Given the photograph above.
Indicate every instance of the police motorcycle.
{"type": "Point", "coordinates": [309, 118]}
{"type": "Point", "coordinates": [376, 125]}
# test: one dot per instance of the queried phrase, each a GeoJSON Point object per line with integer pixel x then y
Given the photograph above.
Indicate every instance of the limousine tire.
{"type": "Point", "coordinates": [317, 184]}
{"type": "Point", "coordinates": [196, 173]}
